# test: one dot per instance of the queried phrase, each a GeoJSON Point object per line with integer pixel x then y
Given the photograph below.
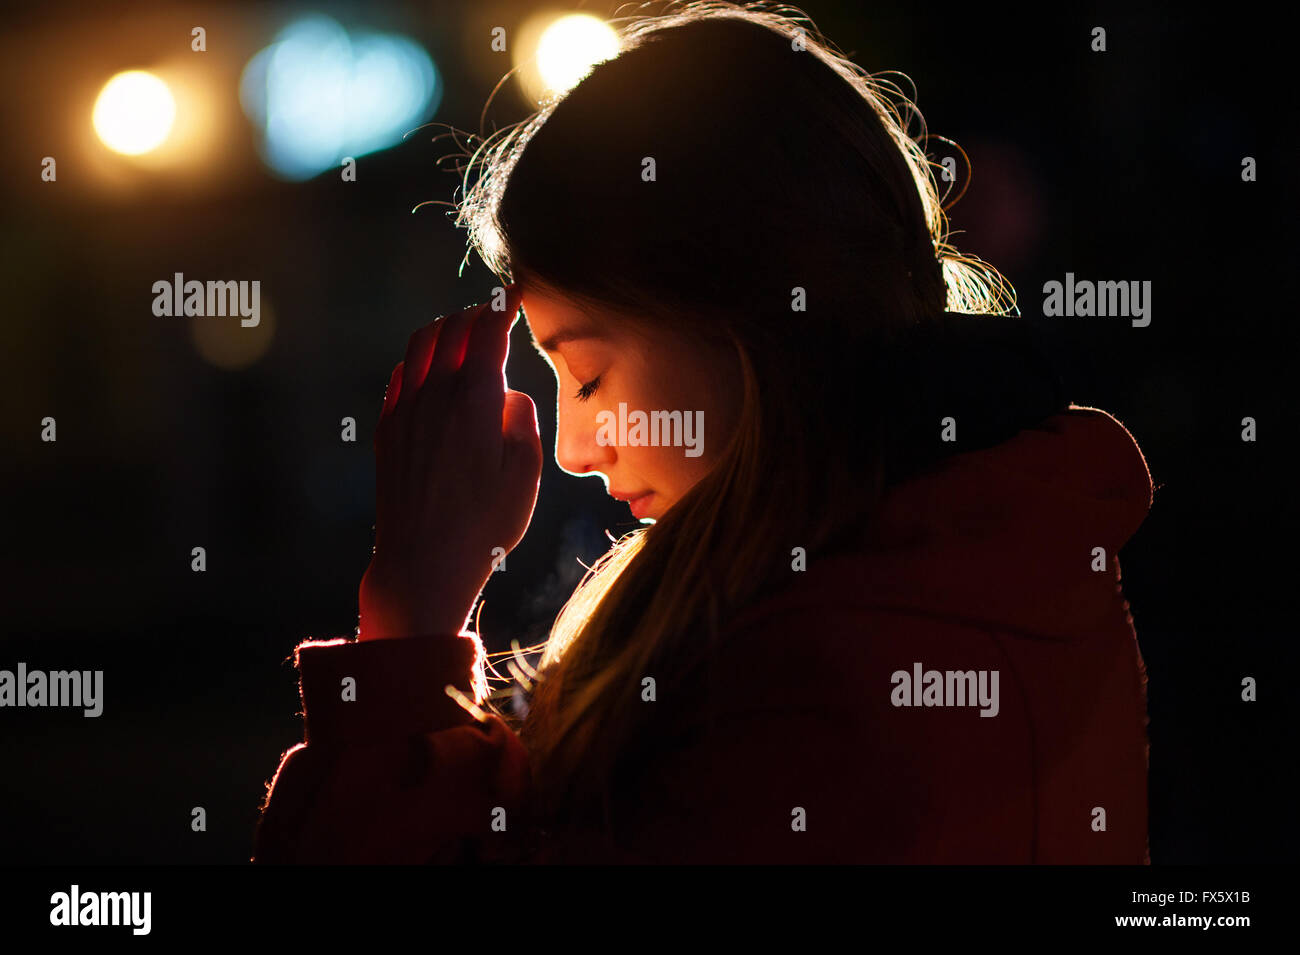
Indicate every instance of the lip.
{"type": "Point", "coordinates": [640, 504]}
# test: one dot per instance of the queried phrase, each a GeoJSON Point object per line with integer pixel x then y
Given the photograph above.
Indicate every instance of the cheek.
{"type": "Point", "coordinates": [704, 425]}
{"type": "Point", "coordinates": [667, 469]}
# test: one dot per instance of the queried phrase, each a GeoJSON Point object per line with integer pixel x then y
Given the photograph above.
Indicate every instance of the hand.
{"type": "Point", "coordinates": [458, 461]}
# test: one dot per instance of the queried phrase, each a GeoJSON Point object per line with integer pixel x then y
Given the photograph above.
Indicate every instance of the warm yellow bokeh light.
{"type": "Point", "coordinates": [225, 343]}
{"type": "Point", "coordinates": [134, 112]}
{"type": "Point", "coordinates": [570, 47]}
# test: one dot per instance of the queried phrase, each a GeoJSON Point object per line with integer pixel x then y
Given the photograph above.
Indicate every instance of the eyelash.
{"type": "Point", "coordinates": [589, 389]}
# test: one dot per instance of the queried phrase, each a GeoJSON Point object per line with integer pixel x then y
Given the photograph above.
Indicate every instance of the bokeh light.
{"type": "Point", "coordinates": [225, 343]}
{"type": "Point", "coordinates": [570, 47]}
{"type": "Point", "coordinates": [555, 53]}
{"type": "Point", "coordinates": [319, 94]}
{"type": "Point", "coordinates": [134, 112]}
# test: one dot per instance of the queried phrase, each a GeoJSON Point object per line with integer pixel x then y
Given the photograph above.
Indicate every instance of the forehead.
{"type": "Point", "coordinates": [553, 319]}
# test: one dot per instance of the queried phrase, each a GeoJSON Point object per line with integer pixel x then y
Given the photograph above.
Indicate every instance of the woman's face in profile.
{"type": "Point", "coordinates": [602, 362]}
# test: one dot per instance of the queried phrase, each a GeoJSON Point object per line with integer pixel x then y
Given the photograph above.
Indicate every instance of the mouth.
{"type": "Point", "coordinates": [640, 503]}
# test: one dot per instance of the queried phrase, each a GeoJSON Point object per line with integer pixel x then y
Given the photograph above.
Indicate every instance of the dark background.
{"type": "Point", "coordinates": [1116, 165]}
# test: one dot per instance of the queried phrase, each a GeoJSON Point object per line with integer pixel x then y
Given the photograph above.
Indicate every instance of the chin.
{"type": "Point", "coordinates": [661, 506]}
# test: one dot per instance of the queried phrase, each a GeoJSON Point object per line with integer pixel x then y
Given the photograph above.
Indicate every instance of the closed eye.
{"type": "Point", "coordinates": [589, 389]}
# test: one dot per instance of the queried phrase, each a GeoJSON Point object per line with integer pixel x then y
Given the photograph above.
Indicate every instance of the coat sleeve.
{"type": "Point", "coordinates": [392, 769]}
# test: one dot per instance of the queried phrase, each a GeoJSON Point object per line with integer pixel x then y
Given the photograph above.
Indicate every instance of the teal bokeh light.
{"type": "Point", "coordinates": [319, 94]}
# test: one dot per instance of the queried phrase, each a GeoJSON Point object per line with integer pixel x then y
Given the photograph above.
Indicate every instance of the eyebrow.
{"type": "Point", "coordinates": [565, 335]}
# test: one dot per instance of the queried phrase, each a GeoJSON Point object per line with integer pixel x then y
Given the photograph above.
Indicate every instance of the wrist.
{"type": "Point", "coordinates": [384, 616]}
{"type": "Point", "coordinates": [375, 624]}
{"type": "Point", "coordinates": [390, 611]}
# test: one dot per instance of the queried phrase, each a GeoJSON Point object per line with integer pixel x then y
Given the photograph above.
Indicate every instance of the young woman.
{"type": "Point", "coordinates": [875, 616]}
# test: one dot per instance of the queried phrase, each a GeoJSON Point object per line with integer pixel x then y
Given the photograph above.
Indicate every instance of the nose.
{"type": "Point", "coordinates": [576, 449]}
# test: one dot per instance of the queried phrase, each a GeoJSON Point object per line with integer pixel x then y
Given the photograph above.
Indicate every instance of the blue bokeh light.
{"type": "Point", "coordinates": [319, 94]}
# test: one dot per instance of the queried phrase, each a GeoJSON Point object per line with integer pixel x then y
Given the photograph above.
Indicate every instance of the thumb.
{"type": "Point", "coordinates": [519, 430]}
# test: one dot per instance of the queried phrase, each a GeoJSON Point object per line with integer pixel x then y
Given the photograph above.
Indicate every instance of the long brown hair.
{"type": "Point", "coordinates": [779, 166]}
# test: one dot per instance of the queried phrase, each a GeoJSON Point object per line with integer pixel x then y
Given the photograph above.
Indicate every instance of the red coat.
{"type": "Point", "coordinates": [987, 565]}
